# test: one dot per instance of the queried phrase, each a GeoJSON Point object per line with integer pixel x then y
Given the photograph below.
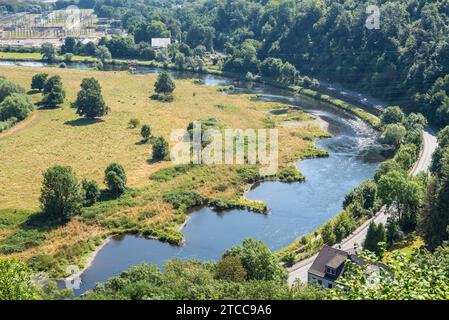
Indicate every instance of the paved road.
{"type": "Point", "coordinates": [299, 270]}
{"type": "Point", "coordinates": [425, 159]}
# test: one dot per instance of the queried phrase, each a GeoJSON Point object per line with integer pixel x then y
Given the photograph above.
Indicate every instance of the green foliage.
{"type": "Point", "coordinates": [115, 179]}
{"type": "Point", "coordinates": [164, 84]}
{"type": "Point", "coordinates": [396, 189]}
{"type": "Point", "coordinates": [434, 215]}
{"type": "Point", "coordinates": [376, 234]}
{"type": "Point", "coordinates": [258, 261]}
{"type": "Point", "coordinates": [392, 115]}
{"type": "Point", "coordinates": [21, 240]}
{"type": "Point", "coordinates": [394, 134]}
{"type": "Point", "coordinates": [103, 53]}
{"type": "Point", "coordinates": [420, 276]}
{"type": "Point", "coordinates": [290, 174]}
{"type": "Point", "coordinates": [406, 156]}
{"type": "Point", "coordinates": [54, 91]}
{"type": "Point", "coordinates": [7, 88]}
{"type": "Point", "coordinates": [168, 174]}
{"type": "Point", "coordinates": [386, 167]}
{"type": "Point", "coordinates": [16, 281]}
{"type": "Point", "coordinates": [364, 195]}
{"type": "Point", "coordinates": [61, 196]}
{"type": "Point", "coordinates": [38, 81]}
{"type": "Point", "coordinates": [133, 123]}
{"type": "Point", "coordinates": [194, 280]}
{"type": "Point", "coordinates": [16, 106]}
{"type": "Point", "coordinates": [289, 259]}
{"type": "Point", "coordinates": [91, 191]}
{"type": "Point", "coordinates": [222, 203]}
{"type": "Point", "coordinates": [183, 199]}
{"type": "Point", "coordinates": [230, 268]}
{"type": "Point", "coordinates": [90, 102]}
{"type": "Point", "coordinates": [328, 235]}
{"type": "Point", "coordinates": [249, 174]}
{"type": "Point", "coordinates": [12, 217]}
{"type": "Point", "coordinates": [160, 149]}
{"type": "Point", "coordinates": [145, 132]}
{"type": "Point", "coordinates": [48, 52]}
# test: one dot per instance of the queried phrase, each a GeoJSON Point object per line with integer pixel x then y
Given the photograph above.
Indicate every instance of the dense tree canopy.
{"type": "Point", "coordinates": [90, 102]}
{"type": "Point", "coordinates": [61, 195]}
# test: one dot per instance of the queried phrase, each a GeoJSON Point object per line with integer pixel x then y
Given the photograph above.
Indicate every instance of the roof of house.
{"type": "Point", "coordinates": [335, 259]}
{"type": "Point", "coordinates": [160, 42]}
{"type": "Point", "coordinates": [329, 257]}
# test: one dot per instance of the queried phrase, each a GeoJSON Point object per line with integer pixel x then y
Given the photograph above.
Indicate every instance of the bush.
{"type": "Point", "coordinates": [168, 174]}
{"type": "Point", "coordinates": [327, 233]}
{"type": "Point", "coordinates": [230, 268]}
{"type": "Point", "coordinates": [160, 149]}
{"type": "Point", "coordinates": [7, 88]}
{"type": "Point", "coordinates": [115, 179]}
{"type": "Point", "coordinates": [289, 259]}
{"type": "Point", "coordinates": [21, 240]}
{"type": "Point", "coordinates": [133, 123]}
{"type": "Point", "coordinates": [38, 81]}
{"type": "Point", "coordinates": [364, 195]}
{"type": "Point", "coordinates": [290, 174]}
{"type": "Point", "coordinates": [164, 84]}
{"type": "Point", "coordinates": [392, 115]}
{"type": "Point", "coordinates": [54, 91]}
{"type": "Point", "coordinates": [183, 199]}
{"type": "Point", "coordinates": [15, 106]}
{"type": "Point", "coordinates": [145, 132]}
{"type": "Point", "coordinates": [394, 134]}
{"type": "Point", "coordinates": [259, 262]}
{"type": "Point", "coordinates": [376, 234]}
{"type": "Point", "coordinates": [91, 191]}
{"type": "Point", "coordinates": [249, 174]}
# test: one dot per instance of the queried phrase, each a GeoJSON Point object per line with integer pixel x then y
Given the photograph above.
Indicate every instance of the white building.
{"type": "Point", "coordinates": [158, 43]}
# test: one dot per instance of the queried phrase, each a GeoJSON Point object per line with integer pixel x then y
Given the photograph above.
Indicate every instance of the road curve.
{"type": "Point", "coordinates": [425, 158]}
{"type": "Point", "coordinates": [299, 270]}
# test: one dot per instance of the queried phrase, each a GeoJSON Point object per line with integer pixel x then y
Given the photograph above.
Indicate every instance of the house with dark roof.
{"type": "Point", "coordinates": [329, 266]}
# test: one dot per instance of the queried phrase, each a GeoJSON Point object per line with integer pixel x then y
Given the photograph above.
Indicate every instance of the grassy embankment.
{"type": "Point", "coordinates": [158, 194]}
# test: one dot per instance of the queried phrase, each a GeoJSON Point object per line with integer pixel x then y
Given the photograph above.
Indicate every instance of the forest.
{"type": "Point", "coordinates": [405, 62]}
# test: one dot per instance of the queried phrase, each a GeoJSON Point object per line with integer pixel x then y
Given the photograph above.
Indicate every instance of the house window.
{"type": "Point", "coordinates": [320, 282]}
{"type": "Point", "coordinates": [330, 271]}
{"type": "Point", "coordinates": [330, 286]}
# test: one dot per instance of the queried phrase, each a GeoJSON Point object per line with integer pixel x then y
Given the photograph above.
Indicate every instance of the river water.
{"type": "Point", "coordinates": [295, 209]}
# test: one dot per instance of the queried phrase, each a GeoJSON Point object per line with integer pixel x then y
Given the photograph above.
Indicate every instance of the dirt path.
{"type": "Point", "coordinates": [19, 127]}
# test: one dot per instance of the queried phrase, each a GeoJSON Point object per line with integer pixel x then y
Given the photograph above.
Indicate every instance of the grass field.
{"type": "Point", "coordinates": [59, 136]}
{"type": "Point", "coordinates": [36, 56]}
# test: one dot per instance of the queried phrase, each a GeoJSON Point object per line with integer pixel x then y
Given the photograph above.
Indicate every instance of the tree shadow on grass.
{"type": "Point", "coordinates": [81, 122]}
{"type": "Point", "coordinates": [44, 222]}
{"type": "Point", "coordinates": [153, 161]}
{"type": "Point", "coordinates": [42, 105]}
{"type": "Point", "coordinates": [33, 91]}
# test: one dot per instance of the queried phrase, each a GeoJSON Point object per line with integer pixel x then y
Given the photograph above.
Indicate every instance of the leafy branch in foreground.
{"type": "Point", "coordinates": [421, 276]}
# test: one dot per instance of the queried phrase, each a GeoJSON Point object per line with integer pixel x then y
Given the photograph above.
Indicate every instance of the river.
{"type": "Point", "coordinates": [295, 208]}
